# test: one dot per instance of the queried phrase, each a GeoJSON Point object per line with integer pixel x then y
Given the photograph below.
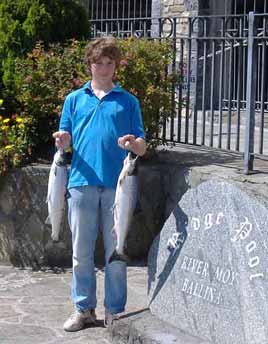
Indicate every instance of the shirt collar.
{"type": "Point", "coordinates": [117, 88]}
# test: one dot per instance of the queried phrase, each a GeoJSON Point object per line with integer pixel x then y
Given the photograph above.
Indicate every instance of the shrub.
{"type": "Point", "coordinates": [40, 84]}
{"type": "Point", "coordinates": [15, 145]}
{"type": "Point", "coordinates": [24, 22]}
{"type": "Point", "coordinates": [144, 73]}
{"type": "Point", "coordinates": [41, 81]}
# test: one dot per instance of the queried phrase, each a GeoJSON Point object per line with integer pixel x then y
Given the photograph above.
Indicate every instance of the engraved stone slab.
{"type": "Point", "coordinates": [208, 266]}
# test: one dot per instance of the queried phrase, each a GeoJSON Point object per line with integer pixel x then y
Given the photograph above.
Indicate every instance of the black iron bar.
{"type": "Point", "coordinates": [230, 91]}
{"type": "Point", "coordinates": [173, 69]}
{"type": "Point", "coordinates": [221, 92]}
{"type": "Point", "coordinates": [238, 96]}
{"type": "Point", "coordinates": [188, 78]}
{"type": "Point", "coordinates": [180, 100]}
{"type": "Point", "coordinates": [195, 104]}
{"type": "Point", "coordinates": [251, 90]}
{"type": "Point", "coordinates": [204, 94]}
{"type": "Point", "coordinates": [212, 95]}
{"type": "Point", "coordinates": [263, 81]}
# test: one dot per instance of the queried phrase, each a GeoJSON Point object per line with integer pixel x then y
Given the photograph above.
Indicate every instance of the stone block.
{"type": "Point", "coordinates": [176, 9]}
{"type": "Point", "coordinates": [25, 238]}
{"type": "Point", "coordinates": [208, 266]}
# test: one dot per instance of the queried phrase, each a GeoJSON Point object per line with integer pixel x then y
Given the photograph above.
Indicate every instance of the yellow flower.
{"type": "Point", "coordinates": [19, 120]}
{"type": "Point", "coordinates": [6, 120]}
{"type": "Point", "coordinates": [5, 127]}
{"type": "Point", "coordinates": [21, 126]}
{"type": "Point", "coordinates": [8, 147]}
{"type": "Point", "coordinates": [1, 102]}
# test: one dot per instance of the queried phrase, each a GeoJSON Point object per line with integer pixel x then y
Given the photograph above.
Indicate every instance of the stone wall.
{"type": "Point", "coordinates": [25, 238]}
{"type": "Point", "coordinates": [163, 180]}
{"type": "Point", "coordinates": [174, 7]}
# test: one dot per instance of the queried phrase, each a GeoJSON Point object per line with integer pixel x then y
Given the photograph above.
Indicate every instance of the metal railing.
{"type": "Point", "coordinates": [222, 101]}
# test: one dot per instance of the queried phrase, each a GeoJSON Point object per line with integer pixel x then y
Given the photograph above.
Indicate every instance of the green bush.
{"type": "Point", "coordinates": [144, 73]}
{"type": "Point", "coordinates": [15, 146]}
{"type": "Point", "coordinates": [41, 81]}
{"type": "Point", "coordinates": [24, 22]}
{"type": "Point", "coordinates": [40, 84]}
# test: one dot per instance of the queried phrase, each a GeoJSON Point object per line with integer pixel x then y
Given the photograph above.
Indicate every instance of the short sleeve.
{"type": "Point", "coordinates": [65, 120]}
{"type": "Point", "coordinates": [137, 127]}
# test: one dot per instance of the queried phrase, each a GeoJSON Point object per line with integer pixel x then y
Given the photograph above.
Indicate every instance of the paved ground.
{"type": "Point", "coordinates": [215, 135]}
{"type": "Point", "coordinates": [34, 305]}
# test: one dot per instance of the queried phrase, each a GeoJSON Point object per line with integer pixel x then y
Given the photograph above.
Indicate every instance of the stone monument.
{"type": "Point", "coordinates": [208, 266]}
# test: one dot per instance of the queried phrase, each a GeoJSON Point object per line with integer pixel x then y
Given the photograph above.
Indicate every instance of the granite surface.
{"type": "Point", "coordinates": [208, 266]}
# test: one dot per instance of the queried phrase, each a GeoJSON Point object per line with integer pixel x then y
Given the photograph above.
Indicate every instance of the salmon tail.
{"type": "Point", "coordinates": [48, 197]}
{"type": "Point", "coordinates": [55, 237]}
{"type": "Point", "coordinates": [118, 257]}
{"type": "Point", "coordinates": [113, 208]}
{"type": "Point", "coordinates": [48, 220]}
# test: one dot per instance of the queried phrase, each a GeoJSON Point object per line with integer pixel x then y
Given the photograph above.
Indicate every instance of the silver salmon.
{"type": "Point", "coordinates": [124, 204]}
{"type": "Point", "coordinates": [57, 184]}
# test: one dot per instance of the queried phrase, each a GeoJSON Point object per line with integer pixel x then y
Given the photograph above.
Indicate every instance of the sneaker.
{"type": "Point", "coordinates": [78, 320]}
{"type": "Point", "coordinates": [109, 319]}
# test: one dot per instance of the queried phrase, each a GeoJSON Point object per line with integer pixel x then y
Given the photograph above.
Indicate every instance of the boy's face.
{"type": "Point", "coordinates": [103, 69]}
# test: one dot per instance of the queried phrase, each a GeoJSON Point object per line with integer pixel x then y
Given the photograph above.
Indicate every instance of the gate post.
{"type": "Point", "coordinates": [251, 94]}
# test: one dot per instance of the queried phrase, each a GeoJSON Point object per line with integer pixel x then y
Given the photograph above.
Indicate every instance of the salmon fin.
{"type": "Point", "coordinates": [55, 238]}
{"type": "Point", "coordinates": [48, 220]}
{"type": "Point", "coordinates": [118, 257]}
{"type": "Point", "coordinates": [115, 212]}
{"type": "Point", "coordinates": [113, 208]}
{"type": "Point", "coordinates": [48, 197]}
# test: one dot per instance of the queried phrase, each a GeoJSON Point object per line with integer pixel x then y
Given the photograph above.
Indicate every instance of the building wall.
{"type": "Point", "coordinates": [182, 9]}
{"type": "Point", "coordinates": [165, 8]}
{"type": "Point", "coordinates": [207, 7]}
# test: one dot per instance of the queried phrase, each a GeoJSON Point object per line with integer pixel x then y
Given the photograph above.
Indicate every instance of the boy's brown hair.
{"type": "Point", "coordinates": [104, 46]}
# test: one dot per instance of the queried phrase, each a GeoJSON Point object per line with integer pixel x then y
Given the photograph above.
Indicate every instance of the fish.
{"type": "Point", "coordinates": [57, 187]}
{"type": "Point", "coordinates": [124, 204]}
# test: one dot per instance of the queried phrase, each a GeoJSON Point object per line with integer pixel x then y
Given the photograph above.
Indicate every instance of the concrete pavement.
{"type": "Point", "coordinates": [34, 305]}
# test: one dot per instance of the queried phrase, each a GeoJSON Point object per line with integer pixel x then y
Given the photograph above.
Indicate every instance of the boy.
{"type": "Point", "coordinates": [101, 120]}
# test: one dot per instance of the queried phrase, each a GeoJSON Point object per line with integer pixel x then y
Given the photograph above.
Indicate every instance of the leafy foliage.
{"type": "Point", "coordinates": [143, 72]}
{"type": "Point", "coordinates": [40, 82]}
{"type": "Point", "coordinates": [24, 22]}
{"type": "Point", "coordinates": [15, 147]}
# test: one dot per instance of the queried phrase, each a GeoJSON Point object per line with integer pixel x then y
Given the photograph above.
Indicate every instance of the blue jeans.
{"type": "Point", "coordinates": [90, 208]}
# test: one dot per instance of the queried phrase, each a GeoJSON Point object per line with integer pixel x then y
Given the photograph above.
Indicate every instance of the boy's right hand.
{"type": "Point", "coordinates": [62, 139]}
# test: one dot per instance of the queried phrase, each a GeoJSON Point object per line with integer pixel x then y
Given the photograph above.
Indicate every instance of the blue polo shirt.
{"type": "Point", "coordinates": [95, 126]}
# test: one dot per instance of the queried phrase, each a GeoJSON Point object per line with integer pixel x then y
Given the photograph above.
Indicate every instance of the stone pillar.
{"type": "Point", "coordinates": [156, 13]}
{"type": "Point", "coordinates": [174, 7]}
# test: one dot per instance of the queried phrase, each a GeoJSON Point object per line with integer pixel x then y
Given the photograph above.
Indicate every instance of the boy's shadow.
{"type": "Point", "coordinates": [174, 252]}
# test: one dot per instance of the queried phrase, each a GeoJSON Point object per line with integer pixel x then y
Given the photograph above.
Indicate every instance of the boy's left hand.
{"type": "Point", "coordinates": [136, 145]}
{"type": "Point", "coordinates": [126, 141]}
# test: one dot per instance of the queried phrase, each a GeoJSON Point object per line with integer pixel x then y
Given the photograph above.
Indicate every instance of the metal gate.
{"type": "Point", "coordinates": [223, 99]}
